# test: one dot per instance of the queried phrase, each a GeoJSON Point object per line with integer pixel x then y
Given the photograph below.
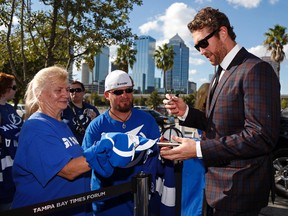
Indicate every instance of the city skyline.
{"type": "Point", "coordinates": [250, 19]}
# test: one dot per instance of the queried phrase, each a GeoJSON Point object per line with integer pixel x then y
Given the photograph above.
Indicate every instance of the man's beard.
{"type": "Point", "coordinates": [124, 109]}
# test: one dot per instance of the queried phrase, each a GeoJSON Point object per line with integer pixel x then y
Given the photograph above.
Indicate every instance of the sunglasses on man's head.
{"type": "Point", "coordinates": [204, 42]}
{"type": "Point", "coordinates": [120, 92]}
{"type": "Point", "coordinates": [72, 90]}
{"type": "Point", "coordinates": [14, 87]}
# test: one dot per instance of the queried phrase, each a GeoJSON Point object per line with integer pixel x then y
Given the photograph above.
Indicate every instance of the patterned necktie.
{"type": "Point", "coordinates": [219, 70]}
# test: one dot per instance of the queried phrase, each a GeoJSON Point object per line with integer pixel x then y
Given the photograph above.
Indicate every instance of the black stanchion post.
{"type": "Point", "coordinates": [141, 188]}
{"type": "Point", "coordinates": [178, 166]}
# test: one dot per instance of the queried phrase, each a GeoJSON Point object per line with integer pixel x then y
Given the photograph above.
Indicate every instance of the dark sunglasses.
{"type": "Point", "coordinates": [14, 87]}
{"type": "Point", "coordinates": [120, 92]}
{"type": "Point", "coordinates": [72, 90]}
{"type": "Point", "coordinates": [204, 42]}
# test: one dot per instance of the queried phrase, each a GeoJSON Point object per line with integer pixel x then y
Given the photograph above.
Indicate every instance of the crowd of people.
{"type": "Point", "coordinates": [66, 147]}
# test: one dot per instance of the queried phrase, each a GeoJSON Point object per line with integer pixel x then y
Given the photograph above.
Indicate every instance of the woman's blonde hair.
{"type": "Point", "coordinates": [44, 79]}
{"type": "Point", "coordinates": [201, 97]}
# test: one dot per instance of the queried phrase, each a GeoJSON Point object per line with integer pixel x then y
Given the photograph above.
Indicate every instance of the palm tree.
{"type": "Point", "coordinates": [276, 39]}
{"type": "Point", "coordinates": [125, 57]}
{"type": "Point", "coordinates": [164, 57]}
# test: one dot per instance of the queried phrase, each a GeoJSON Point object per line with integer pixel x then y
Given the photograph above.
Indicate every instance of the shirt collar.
{"type": "Point", "coordinates": [230, 56]}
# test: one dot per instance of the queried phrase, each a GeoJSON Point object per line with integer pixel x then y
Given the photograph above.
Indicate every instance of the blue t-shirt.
{"type": "Point", "coordinates": [46, 145]}
{"type": "Point", "coordinates": [193, 180]}
{"type": "Point", "coordinates": [69, 117]}
{"type": "Point", "coordinates": [139, 124]}
{"type": "Point", "coordinates": [10, 125]}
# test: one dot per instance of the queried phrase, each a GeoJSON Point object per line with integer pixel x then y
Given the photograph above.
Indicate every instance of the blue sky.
{"type": "Point", "coordinates": [162, 19]}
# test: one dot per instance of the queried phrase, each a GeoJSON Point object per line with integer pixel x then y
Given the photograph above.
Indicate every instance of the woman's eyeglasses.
{"type": "Point", "coordinates": [72, 90]}
{"type": "Point", "coordinates": [120, 92]}
{"type": "Point", "coordinates": [204, 42]}
{"type": "Point", "coordinates": [14, 87]}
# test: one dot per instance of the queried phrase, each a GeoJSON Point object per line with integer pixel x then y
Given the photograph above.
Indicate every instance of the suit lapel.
{"type": "Point", "coordinates": [238, 59]}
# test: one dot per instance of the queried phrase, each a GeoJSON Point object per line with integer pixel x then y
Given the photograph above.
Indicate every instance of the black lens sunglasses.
{"type": "Point", "coordinates": [204, 42]}
{"type": "Point", "coordinates": [14, 87]}
{"type": "Point", "coordinates": [120, 92]}
{"type": "Point", "coordinates": [72, 90]}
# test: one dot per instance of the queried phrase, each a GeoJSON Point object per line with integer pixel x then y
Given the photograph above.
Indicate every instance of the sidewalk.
{"type": "Point", "coordinates": [279, 208]}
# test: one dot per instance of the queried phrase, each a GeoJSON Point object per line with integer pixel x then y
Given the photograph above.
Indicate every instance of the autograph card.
{"type": "Point", "coordinates": [162, 144]}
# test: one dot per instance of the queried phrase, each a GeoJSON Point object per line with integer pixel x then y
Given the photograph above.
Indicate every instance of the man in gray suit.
{"type": "Point", "coordinates": [241, 121]}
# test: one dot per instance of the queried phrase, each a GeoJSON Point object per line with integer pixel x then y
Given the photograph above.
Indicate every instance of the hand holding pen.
{"type": "Point", "coordinates": [175, 105]}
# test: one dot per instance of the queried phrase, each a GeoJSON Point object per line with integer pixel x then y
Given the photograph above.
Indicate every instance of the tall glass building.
{"type": "Point", "coordinates": [177, 77]}
{"type": "Point", "coordinates": [101, 65]}
{"type": "Point", "coordinates": [143, 72]}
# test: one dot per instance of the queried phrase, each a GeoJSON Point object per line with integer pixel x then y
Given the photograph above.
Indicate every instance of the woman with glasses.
{"type": "Point", "coordinates": [79, 113]}
{"type": "Point", "coordinates": [10, 125]}
{"type": "Point", "coordinates": [123, 118]}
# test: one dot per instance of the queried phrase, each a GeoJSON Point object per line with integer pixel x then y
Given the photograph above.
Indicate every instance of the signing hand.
{"type": "Point", "coordinates": [175, 105]}
{"type": "Point", "coordinates": [186, 150]}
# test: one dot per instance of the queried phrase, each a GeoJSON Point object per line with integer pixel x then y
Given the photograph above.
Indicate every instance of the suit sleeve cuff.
{"type": "Point", "coordinates": [182, 118]}
{"type": "Point", "coordinates": [198, 149]}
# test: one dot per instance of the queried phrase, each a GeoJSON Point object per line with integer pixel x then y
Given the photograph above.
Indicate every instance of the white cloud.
{"type": "Point", "coordinates": [149, 26]}
{"type": "Point", "coordinates": [259, 51]}
{"type": "Point", "coordinates": [174, 20]}
{"type": "Point", "coordinates": [191, 72]}
{"type": "Point", "coordinates": [113, 52]}
{"type": "Point", "coordinates": [245, 3]}
{"type": "Point", "coordinates": [202, 1]}
{"type": "Point", "coordinates": [286, 50]}
{"type": "Point", "coordinates": [203, 80]}
{"type": "Point", "coordinates": [14, 22]}
{"type": "Point", "coordinates": [273, 1]}
{"type": "Point", "coordinates": [196, 61]}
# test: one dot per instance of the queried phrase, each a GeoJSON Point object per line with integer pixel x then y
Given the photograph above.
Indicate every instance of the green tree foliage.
{"type": "Point", "coordinates": [140, 101]}
{"type": "Point", "coordinates": [190, 99]}
{"type": "Point", "coordinates": [284, 103]}
{"type": "Point", "coordinates": [126, 56]}
{"type": "Point", "coordinates": [62, 32]}
{"type": "Point", "coordinates": [154, 100]}
{"type": "Point", "coordinates": [164, 57]}
{"type": "Point", "coordinates": [275, 41]}
{"type": "Point", "coordinates": [94, 99]}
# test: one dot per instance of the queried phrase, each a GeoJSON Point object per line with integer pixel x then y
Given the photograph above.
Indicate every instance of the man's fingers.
{"type": "Point", "coordinates": [177, 139]}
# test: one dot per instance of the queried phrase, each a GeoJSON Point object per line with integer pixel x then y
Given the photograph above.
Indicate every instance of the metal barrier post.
{"type": "Point", "coordinates": [141, 187]}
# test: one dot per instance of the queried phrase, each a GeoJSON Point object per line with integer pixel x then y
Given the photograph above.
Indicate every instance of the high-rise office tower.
{"type": "Point", "coordinates": [143, 72]}
{"type": "Point", "coordinates": [101, 65]}
{"type": "Point", "coordinates": [177, 77]}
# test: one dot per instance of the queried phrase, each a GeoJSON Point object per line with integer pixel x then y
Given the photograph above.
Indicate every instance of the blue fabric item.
{"type": "Point", "coordinates": [142, 125]}
{"type": "Point", "coordinates": [69, 118]}
{"type": "Point", "coordinates": [46, 145]}
{"type": "Point", "coordinates": [115, 150]}
{"type": "Point", "coordinates": [10, 125]}
{"type": "Point", "coordinates": [98, 159]}
{"type": "Point", "coordinates": [193, 185]}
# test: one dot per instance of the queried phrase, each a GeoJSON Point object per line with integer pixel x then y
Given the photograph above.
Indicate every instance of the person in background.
{"type": "Point", "coordinates": [49, 162]}
{"type": "Point", "coordinates": [10, 125]}
{"type": "Point", "coordinates": [241, 121]}
{"type": "Point", "coordinates": [79, 113]}
{"type": "Point", "coordinates": [123, 118]}
{"type": "Point", "coordinates": [193, 172]}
